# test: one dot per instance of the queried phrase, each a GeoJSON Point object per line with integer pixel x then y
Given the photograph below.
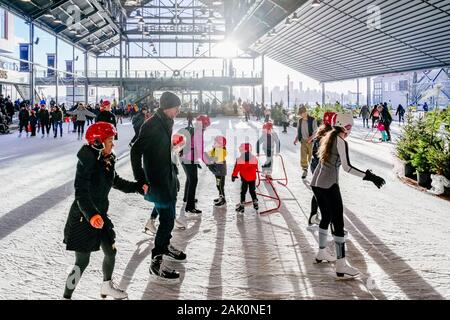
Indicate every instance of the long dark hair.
{"type": "Point", "coordinates": [322, 130]}
{"type": "Point", "coordinates": [327, 143]}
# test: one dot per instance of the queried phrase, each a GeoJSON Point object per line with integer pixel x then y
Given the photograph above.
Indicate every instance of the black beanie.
{"type": "Point", "coordinates": [169, 100]}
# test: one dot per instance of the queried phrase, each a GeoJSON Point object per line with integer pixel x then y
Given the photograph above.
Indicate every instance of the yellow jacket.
{"type": "Point", "coordinates": [220, 155]}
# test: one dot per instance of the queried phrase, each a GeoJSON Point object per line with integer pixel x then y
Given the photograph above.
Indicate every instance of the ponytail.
{"type": "Point", "coordinates": [327, 143]}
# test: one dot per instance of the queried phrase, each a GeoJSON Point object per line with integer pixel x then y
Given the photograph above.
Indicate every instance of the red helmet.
{"type": "Point", "coordinates": [268, 126]}
{"type": "Point", "coordinates": [106, 104]}
{"type": "Point", "coordinates": [204, 120]}
{"type": "Point", "coordinates": [329, 118]}
{"type": "Point", "coordinates": [245, 147]}
{"type": "Point", "coordinates": [221, 140]}
{"type": "Point", "coordinates": [99, 132]}
{"type": "Point", "coordinates": [177, 139]}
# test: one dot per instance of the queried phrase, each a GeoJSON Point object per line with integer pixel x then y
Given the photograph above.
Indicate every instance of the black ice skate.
{"type": "Point", "coordinates": [255, 204]}
{"type": "Point", "coordinates": [240, 208]}
{"type": "Point", "coordinates": [221, 202]}
{"type": "Point", "coordinates": [175, 255]}
{"type": "Point", "coordinates": [161, 274]}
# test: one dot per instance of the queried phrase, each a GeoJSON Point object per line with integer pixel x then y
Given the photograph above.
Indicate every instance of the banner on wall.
{"type": "Point", "coordinates": [69, 68]}
{"type": "Point", "coordinates": [51, 64]}
{"type": "Point", "coordinates": [24, 49]}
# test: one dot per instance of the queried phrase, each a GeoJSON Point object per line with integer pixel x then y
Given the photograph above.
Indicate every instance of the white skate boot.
{"type": "Point", "coordinates": [325, 254]}
{"type": "Point", "coordinates": [109, 288]}
{"type": "Point", "coordinates": [150, 227]}
{"type": "Point", "coordinates": [344, 270]}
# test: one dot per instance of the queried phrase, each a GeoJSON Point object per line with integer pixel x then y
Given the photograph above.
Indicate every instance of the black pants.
{"type": "Point", "coordinates": [45, 127]}
{"type": "Point", "coordinates": [82, 261]}
{"type": "Point", "coordinates": [266, 118]}
{"type": "Point", "coordinates": [248, 185]}
{"type": "Point", "coordinates": [166, 212]}
{"type": "Point", "coordinates": [314, 206]}
{"type": "Point", "coordinates": [387, 127]}
{"type": "Point", "coordinates": [401, 118]}
{"type": "Point", "coordinates": [331, 208]}
{"type": "Point", "coordinates": [190, 187]}
{"type": "Point", "coordinates": [23, 125]}
{"type": "Point", "coordinates": [220, 184]}
{"type": "Point", "coordinates": [33, 130]}
{"type": "Point", "coordinates": [285, 124]}
{"type": "Point", "coordinates": [80, 127]}
{"type": "Point", "coordinates": [365, 121]}
{"type": "Point", "coordinates": [247, 116]}
{"type": "Point", "coordinates": [373, 120]}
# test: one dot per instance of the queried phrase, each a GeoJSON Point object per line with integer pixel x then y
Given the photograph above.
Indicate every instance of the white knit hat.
{"type": "Point", "coordinates": [343, 120]}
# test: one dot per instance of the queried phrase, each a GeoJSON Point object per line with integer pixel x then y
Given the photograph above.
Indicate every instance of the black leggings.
{"type": "Point", "coordinates": [82, 261]}
{"type": "Point", "coordinates": [220, 184]}
{"type": "Point", "coordinates": [46, 126]}
{"type": "Point", "coordinates": [248, 185]}
{"type": "Point", "coordinates": [80, 127]}
{"type": "Point", "coordinates": [331, 208]}
{"type": "Point", "coordinates": [190, 187]}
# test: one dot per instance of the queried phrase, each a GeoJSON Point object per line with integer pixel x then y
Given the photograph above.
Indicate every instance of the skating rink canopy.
{"type": "Point", "coordinates": [346, 39]}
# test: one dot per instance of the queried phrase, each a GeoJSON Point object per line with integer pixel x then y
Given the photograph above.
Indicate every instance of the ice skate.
{"type": "Point", "coordinates": [255, 204]}
{"type": "Point", "coordinates": [174, 254]}
{"type": "Point", "coordinates": [305, 173]}
{"type": "Point", "coordinates": [109, 288]}
{"type": "Point", "coordinates": [193, 213]}
{"type": "Point", "coordinates": [150, 227]}
{"type": "Point", "coordinates": [161, 273]}
{"type": "Point", "coordinates": [325, 255]}
{"type": "Point", "coordinates": [220, 203]}
{"type": "Point", "coordinates": [344, 270]}
{"type": "Point", "coordinates": [240, 208]}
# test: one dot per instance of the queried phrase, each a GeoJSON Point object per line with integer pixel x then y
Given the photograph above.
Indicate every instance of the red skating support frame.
{"type": "Point", "coordinates": [269, 179]}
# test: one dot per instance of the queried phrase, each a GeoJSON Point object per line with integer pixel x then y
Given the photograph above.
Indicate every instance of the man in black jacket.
{"type": "Point", "coordinates": [44, 119]}
{"type": "Point", "coordinates": [152, 165]}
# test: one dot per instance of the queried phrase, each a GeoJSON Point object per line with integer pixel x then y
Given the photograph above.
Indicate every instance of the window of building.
{"type": "Point", "coordinates": [3, 24]}
{"type": "Point", "coordinates": [403, 85]}
{"type": "Point", "coordinates": [386, 86]}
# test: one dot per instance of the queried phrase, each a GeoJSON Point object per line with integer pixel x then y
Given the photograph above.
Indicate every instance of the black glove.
{"type": "Point", "coordinates": [233, 178]}
{"type": "Point", "coordinates": [199, 166]}
{"type": "Point", "coordinates": [378, 181]}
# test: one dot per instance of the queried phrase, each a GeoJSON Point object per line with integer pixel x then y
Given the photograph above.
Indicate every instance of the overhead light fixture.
{"type": "Point", "coordinates": [141, 21]}
{"type": "Point", "coordinates": [295, 17]}
{"type": "Point", "coordinates": [49, 15]}
{"type": "Point", "coordinates": [216, 3]}
{"type": "Point", "coordinates": [138, 14]}
{"type": "Point", "coordinates": [209, 21]}
{"type": "Point", "coordinates": [57, 20]}
{"type": "Point", "coordinates": [26, 1]}
{"type": "Point", "coordinates": [315, 3]}
{"type": "Point", "coordinates": [288, 21]}
{"type": "Point", "coordinates": [154, 51]}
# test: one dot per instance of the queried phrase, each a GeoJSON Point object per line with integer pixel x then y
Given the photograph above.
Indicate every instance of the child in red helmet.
{"type": "Point", "coordinates": [247, 166]}
{"type": "Point", "coordinates": [270, 143]}
{"type": "Point", "coordinates": [88, 226]}
{"type": "Point", "coordinates": [216, 159]}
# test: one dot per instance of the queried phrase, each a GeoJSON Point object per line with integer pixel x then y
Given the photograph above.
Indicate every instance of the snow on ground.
{"type": "Point", "coordinates": [398, 235]}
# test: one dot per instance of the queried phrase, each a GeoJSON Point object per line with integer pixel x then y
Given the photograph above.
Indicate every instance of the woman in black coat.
{"type": "Point", "coordinates": [88, 226]}
{"type": "Point", "coordinates": [106, 115]}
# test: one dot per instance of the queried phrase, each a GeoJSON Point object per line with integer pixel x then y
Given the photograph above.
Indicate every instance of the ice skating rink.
{"type": "Point", "coordinates": [399, 237]}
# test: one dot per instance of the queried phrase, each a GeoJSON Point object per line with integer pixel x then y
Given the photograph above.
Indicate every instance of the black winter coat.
{"type": "Point", "coordinates": [44, 116]}
{"type": "Point", "coordinates": [93, 181]}
{"type": "Point", "coordinates": [24, 116]}
{"type": "Point", "coordinates": [154, 147]}
{"type": "Point", "coordinates": [106, 116]}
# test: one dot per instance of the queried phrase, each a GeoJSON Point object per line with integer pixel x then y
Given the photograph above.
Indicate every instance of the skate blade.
{"type": "Point", "coordinates": [148, 232]}
{"type": "Point", "coordinates": [157, 279]}
{"type": "Point", "coordinates": [344, 276]}
{"type": "Point", "coordinates": [170, 259]}
{"type": "Point", "coordinates": [317, 261]}
{"type": "Point", "coordinates": [312, 228]}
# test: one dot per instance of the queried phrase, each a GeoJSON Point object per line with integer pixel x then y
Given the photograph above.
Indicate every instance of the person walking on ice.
{"type": "Point", "coordinates": [306, 128]}
{"type": "Point", "coordinates": [247, 166]}
{"type": "Point", "coordinates": [270, 142]}
{"type": "Point", "coordinates": [151, 160]}
{"type": "Point", "coordinates": [334, 152]}
{"type": "Point", "coordinates": [88, 226]}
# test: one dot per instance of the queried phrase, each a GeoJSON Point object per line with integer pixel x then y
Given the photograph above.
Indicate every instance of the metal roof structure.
{"type": "Point", "coordinates": [346, 39]}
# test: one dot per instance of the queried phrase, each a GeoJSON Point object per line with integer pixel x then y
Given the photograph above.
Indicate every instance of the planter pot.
{"type": "Point", "coordinates": [424, 179]}
{"type": "Point", "coordinates": [409, 171]}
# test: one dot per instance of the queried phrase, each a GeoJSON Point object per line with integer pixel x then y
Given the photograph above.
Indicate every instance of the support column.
{"type": "Point", "coordinates": [96, 75]}
{"type": "Point", "coordinates": [121, 69]}
{"type": "Point", "coordinates": [262, 76]}
{"type": "Point", "coordinates": [57, 69]}
{"type": "Point", "coordinates": [31, 65]}
{"type": "Point", "coordinates": [86, 79]}
{"type": "Point", "coordinates": [369, 92]}
{"type": "Point", "coordinates": [357, 93]}
{"type": "Point", "coordinates": [288, 93]}
{"type": "Point", "coordinates": [323, 94]}
{"type": "Point", "coordinates": [73, 75]}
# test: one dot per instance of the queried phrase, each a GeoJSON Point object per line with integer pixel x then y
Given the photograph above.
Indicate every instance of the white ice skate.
{"type": "Point", "coordinates": [344, 270]}
{"type": "Point", "coordinates": [180, 223]}
{"type": "Point", "coordinates": [109, 288]}
{"type": "Point", "coordinates": [150, 227]}
{"type": "Point", "coordinates": [325, 255]}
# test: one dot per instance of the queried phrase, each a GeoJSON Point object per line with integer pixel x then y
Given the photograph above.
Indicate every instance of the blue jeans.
{"type": "Point", "coordinates": [166, 212]}
{"type": "Point", "coordinates": [55, 128]}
